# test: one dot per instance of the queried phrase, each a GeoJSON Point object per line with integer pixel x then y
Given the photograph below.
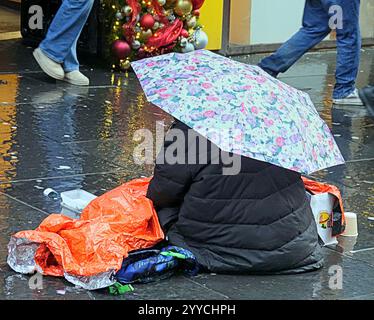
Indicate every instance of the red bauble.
{"type": "Point", "coordinates": [196, 13]}
{"type": "Point", "coordinates": [121, 49]}
{"type": "Point", "coordinates": [147, 21]}
{"type": "Point", "coordinates": [197, 4]}
{"type": "Point", "coordinates": [184, 33]}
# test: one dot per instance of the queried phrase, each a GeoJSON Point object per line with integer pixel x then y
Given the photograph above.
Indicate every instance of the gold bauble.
{"type": "Point", "coordinates": [145, 35]}
{"type": "Point", "coordinates": [183, 7]}
{"type": "Point", "coordinates": [156, 25]}
{"type": "Point", "coordinates": [191, 23]}
{"type": "Point", "coordinates": [125, 65]}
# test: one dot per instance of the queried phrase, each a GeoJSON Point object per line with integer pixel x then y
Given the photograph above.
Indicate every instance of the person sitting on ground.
{"type": "Point", "coordinates": [258, 221]}
{"type": "Point", "coordinates": [57, 53]}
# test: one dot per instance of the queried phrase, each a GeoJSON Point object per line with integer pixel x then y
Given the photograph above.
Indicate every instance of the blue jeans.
{"type": "Point", "coordinates": [60, 43]}
{"type": "Point", "coordinates": [315, 28]}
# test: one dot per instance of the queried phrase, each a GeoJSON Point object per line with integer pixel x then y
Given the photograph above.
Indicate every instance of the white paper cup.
{"type": "Point", "coordinates": [347, 244]}
{"type": "Point", "coordinates": [351, 229]}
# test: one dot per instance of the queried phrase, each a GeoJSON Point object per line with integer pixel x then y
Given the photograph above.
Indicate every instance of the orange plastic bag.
{"type": "Point", "coordinates": [120, 221]}
{"type": "Point", "coordinates": [316, 187]}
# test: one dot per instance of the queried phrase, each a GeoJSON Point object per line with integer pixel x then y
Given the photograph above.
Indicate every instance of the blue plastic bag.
{"type": "Point", "coordinates": [153, 265]}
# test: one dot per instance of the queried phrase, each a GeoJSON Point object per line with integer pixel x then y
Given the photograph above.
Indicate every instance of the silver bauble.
{"type": "Point", "coordinates": [136, 45]}
{"type": "Point", "coordinates": [188, 48]}
{"type": "Point", "coordinates": [183, 42]}
{"type": "Point", "coordinates": [200, 39]}
{"type": "Point", "coordinates": [127, 10]}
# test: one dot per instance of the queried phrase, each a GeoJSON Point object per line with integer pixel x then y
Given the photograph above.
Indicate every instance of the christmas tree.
{"type": "Point", "coordinates": [145, 28]}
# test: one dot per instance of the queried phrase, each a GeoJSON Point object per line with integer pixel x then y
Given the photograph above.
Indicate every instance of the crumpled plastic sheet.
{"type": "Point", "coordinates": [21, 254]}
{"type": "Point", "coordinates": [89, 251]}
{"type": "Point", "coordinates": [98, 281]}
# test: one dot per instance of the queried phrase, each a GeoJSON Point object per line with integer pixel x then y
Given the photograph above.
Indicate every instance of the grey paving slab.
{"type": "Point", "coordinates": [357, 281]}
{"type": "Point", "coordinates": [32, 191]}
{"type": "Point", "coordinates": [10, 20]}
{"type": "Point", "coordinates": [365, 297]}
{"type": "Point", "coordinates": [16, 286]}
{"type": "Point", "coordinates": [355, 174]}
{"type": "Point", "coordinates": [34, 160]}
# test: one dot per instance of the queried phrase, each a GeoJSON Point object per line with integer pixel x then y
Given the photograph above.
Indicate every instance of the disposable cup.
{"type": "Point", "coordinates": [351, 229]}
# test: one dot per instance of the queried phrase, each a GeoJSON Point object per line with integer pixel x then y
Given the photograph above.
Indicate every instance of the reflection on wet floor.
{"type": "Point", "coordinates": [9, 24]}
{"type": "Point", "coordinates": [64, 137]}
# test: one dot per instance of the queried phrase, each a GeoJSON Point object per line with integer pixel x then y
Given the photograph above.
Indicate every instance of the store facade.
{"type": "Point", "coordinates": [249, 26]}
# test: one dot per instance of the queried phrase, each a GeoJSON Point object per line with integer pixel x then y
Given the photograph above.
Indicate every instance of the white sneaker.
{"type": "Point", "coordinates": [50, 67]}
{"type": "Point", "coordinates": [353, 99]}
{"type": "Point", "coordinates": [77, 78]}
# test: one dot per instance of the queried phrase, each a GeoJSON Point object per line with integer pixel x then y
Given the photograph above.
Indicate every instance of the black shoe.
{"type": "Point", "coordinates": [367, 96]}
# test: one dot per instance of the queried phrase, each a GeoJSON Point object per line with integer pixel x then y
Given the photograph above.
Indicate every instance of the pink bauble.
{"type": "Point", "coordinates": [121, 49]}
{"type": "Point", "coordinates": [147, 21]}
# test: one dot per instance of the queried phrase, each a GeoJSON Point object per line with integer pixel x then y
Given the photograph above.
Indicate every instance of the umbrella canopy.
{"type": "Point", "coordinates": [241, 109]}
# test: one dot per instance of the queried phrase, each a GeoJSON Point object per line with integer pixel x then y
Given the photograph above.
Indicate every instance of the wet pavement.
{"type": "Point", "coordinates": [10, 20]}
{"type": "Point", "coordinates": [53, 135]}
{"type": "Point", "coordinates": [9, 24]}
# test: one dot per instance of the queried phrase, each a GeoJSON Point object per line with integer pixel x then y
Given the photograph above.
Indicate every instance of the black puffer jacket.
{"type": "Point", "coordinates": [258, 221]}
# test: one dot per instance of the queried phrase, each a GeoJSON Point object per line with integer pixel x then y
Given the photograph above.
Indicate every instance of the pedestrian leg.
{"type": "Point", "coordinates": [315, 28]}
{"type": "Point", "coordinates": [348, 47]}
{"type": "Point", "coordinates": [65, 29]}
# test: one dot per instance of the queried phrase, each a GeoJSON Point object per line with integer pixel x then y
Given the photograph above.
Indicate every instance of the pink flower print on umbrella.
{"type": "Point", "coordinates": [165, 96]}
{"type": "Point", "coordinates": [261, 79]}
{"type": "Point", "coordinates": [254, 110]}
{"type": "Point", "coordinates": [209, 114]}
{"type": "Point", "coordinates": [212, 98]}
{"type": "Point", "coordinates": [268, 122]}
{"type": "Point", "coordinates": [243, 108]}
{"type": "Point", "coordinates": [207, 85]}
{"type": "Point", "coordinates": [314, 154]}
{"type": "Point", "coordinates": [280, 141]}
{"type": "Point", "coordinates": [191, 68]}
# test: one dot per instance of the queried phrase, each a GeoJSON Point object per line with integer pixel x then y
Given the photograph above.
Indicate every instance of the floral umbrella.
{"type": "Point", "coordinates": [241, 109]}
